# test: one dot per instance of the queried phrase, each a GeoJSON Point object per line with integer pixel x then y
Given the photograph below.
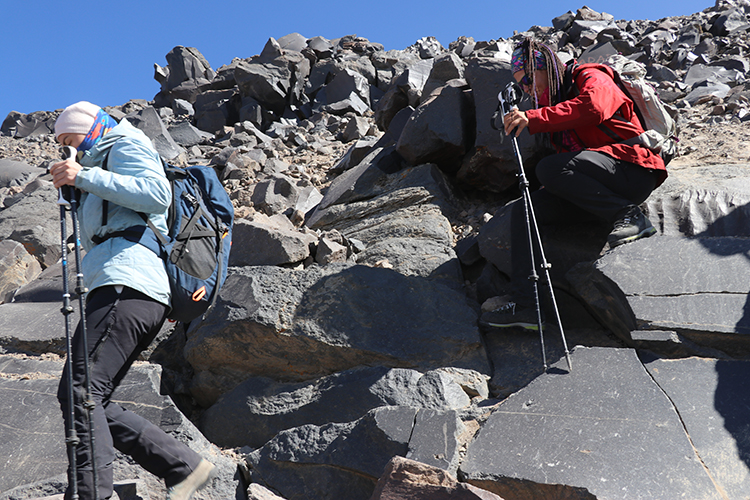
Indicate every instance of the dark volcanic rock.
{"type": "Point", "coordinates": [258, 408]}
{"type": "Point", "coordinates": [149, 122]}
{"type": "Point", "coordinates": [299, 325]}
{"type": "Point", "coordinates": [29, 388]}
{"type": "Point", "coordinates": [34, 220]}
{"type": "Point", "coordinates": [400, 218]}
{"type": "Point", "coordinates": [695, 286]}
{"type": "Point", "coordinates": [492, 164]}
{"type": "Point", "coordinates": [716, 393]}
{"type": "Point", "coordinates": [606, 427]}
{"type": "Point", "coordinates": [438, 131]}
{"type": "Point", "coordinates": [16, 173]}
{"type": "Point", "coordinates": [32, 441]}
{"type": "Point", "coordinates": [335, 460]}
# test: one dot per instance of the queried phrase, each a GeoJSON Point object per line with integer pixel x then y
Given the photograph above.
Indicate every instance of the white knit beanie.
{"type": "Point", "coordinates": [77, 118]}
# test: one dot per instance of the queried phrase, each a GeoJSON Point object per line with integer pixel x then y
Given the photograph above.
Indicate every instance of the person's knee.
{"type": "Point", "coordinates": [547, 170]}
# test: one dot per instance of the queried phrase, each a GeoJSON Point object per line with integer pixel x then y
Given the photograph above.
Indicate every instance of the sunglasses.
{"type": "Point", "coordinates": [526, 80]}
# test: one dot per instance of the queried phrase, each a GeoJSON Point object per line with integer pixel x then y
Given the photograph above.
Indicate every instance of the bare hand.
{"type": "Point", "coordinates": [64, 173]}
{"type": "Point", "coordinates": [515, 120]}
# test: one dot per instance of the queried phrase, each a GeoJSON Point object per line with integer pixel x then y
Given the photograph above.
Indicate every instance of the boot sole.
{"type": "Point", "coordinates": [522, 324]}
{"type": "Point", "coordinates": [649, 231]}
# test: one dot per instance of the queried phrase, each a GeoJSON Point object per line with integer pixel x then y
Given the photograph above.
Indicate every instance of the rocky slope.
{"type": "Point", "coordinates": [344, 358]}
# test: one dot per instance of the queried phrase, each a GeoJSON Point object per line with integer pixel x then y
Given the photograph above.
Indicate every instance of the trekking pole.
{"type": "Point", "coordinates": [509, 99]}
{"type": "Point", "coordinates": [71, 438]}
{"type": "Point", "coordinates": [81, 291]}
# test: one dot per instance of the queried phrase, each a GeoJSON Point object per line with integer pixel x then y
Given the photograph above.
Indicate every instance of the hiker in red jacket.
{"type": "Point", "coordinates": [585, 117]}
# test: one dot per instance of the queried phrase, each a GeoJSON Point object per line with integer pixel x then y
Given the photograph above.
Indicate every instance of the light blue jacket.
{"type": "Point", "coordinates": [133, 182]}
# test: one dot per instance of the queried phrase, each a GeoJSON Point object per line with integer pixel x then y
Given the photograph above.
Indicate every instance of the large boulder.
{"type": "Point", "coordinates": [186, 63]}
{"type": "Point", "coordinates": [34, 124]}
{"type": "Point", "coordinates": [150, 123]}
{"type": "Point", "coordinates": [16, 173]}
{"type": "Point", "coordinates": [34, 221]}
{"type": "Point", "coordinates": [446, 67]}
{"type": "Point", "coordinates": [275, 241]}
{"type": "Point", "coordinates": [399, 217]}
{"type": "Point", "coordinates": [259, 408]}
{"type": "Point", "coordinates": [335, 460]}
{"type": "Point", "coordinates": [275, 78]}
{"type": "Point", "coordinates": [299, 325]}
{"type": "Point", "coordinates": [440, 130]}
{"type": "Point", "coordinates": [492, 164]}
{"type": "Point", "coordinates": [216, 109]}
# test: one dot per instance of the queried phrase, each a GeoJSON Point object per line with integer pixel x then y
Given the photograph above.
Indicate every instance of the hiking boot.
{"type": "Point", "coordinates": [198, 479]}
{"type": "Point", "coordinates": [509, 315]}
{"type": "Point", "coordinates": [632, 226]}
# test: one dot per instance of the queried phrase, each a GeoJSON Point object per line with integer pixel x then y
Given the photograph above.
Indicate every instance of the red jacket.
{"type": "Point", "coordinates": [596, 103]}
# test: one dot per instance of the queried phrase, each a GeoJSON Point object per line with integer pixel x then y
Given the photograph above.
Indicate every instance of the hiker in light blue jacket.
{"type": "Point", "coordinates": [127, 301]}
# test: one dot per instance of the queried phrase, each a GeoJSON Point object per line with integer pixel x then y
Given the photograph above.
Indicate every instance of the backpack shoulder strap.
{"type": "Point", "coordinates": [134, 233]}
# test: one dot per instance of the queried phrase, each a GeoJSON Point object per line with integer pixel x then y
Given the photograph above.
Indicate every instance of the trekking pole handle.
{"type": "Point", "coordinates": [509, 97]}
{"type": "Point", "coordinates": [503, 103]}
{"type": "Point", "coordinates": [66, 152]}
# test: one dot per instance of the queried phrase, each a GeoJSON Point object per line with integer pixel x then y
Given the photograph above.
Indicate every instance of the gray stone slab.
{"type": "Point", "coordinates": [333, 460]}
{"type": "Point", "coordinates": [702, 200]}
{"type": "Point", "coordinates": [438, 131]}
{"type": "Point", "coordinates": [31, 435]}
{"type": "Point", "coordinates": [35, 327]}
{"type": "Point", "coordinates": [698, 285]}
{"type": "Point", "coordinates": [434, 440]}
{"type": "Point", "coordinates": [32, 432]}
{"type": "Point", "coordinates": [712, 399]}
{"type": "Point", "coordinates": [605, 427]}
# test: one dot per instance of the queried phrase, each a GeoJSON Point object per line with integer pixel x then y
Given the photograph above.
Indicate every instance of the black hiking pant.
{"type": "Point", "coordinates": [578, 187]}
{"type": "Point", "coordinates": [119, 326]}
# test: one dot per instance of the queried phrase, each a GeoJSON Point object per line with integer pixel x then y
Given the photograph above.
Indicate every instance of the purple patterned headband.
{"type": "Point", "coordinates": [518, 60]}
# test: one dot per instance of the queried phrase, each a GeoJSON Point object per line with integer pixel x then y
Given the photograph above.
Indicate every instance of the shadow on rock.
{"type": "Point", "coordinates": [732, 401]}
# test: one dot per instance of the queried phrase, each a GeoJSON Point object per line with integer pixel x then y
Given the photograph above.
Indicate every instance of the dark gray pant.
{"type": "Point", "coordinates": [578, 187]}
{"type": "Point", "coordinates": [118, 327]}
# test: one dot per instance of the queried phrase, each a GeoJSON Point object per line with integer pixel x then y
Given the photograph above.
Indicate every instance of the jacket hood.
{"type": "Point", "coordinates": [96, 154]}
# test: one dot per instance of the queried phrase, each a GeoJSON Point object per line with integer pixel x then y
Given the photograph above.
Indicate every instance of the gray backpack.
{"type": "Point", "coordinates": [660, 128]}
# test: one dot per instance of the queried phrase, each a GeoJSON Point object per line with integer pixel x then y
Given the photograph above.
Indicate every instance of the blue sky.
{"type": "Point", "coordinates": [55, 53]}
